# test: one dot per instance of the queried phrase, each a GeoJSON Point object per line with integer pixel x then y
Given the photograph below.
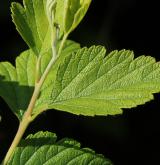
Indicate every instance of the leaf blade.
{"type": "Point", "coordinates": [91, 83]}
{"type": "Point", "coordinates": [66, 151]}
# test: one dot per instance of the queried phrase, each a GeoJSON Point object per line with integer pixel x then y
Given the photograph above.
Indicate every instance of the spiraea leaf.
{"type": "Point", "coordinates": [90, 83]}
{"type": "Point", "coordinates": [43, 148]}
{"type": "Point", "coordinates": [87, 82]}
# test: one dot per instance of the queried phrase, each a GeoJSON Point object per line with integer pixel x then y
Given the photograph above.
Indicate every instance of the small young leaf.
{"type": "Point", "coordinates": [90, 83]}
{"type": "Point", "coordinates": [32, 24]}
{"type": "Point", "coordinates": [73, 13]}
{"type": "Point", "coordinates": [43, 149]}
{"type": "Point", "coordinates": [17, 84]}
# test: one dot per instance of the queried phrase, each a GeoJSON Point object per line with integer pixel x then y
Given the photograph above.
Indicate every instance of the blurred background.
{"type": "Point", "coordinates": [128, 139]}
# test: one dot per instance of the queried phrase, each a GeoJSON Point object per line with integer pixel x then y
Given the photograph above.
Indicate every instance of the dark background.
{"type": "Point", "coordinates": [128, 139]}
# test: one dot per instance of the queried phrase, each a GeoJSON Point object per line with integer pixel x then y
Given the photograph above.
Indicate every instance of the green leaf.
{"type": "Point", "coordinates": [90, 83]}
{"type": "Point", "coordinates": [33, 20]}
{"type": "Point", "coordinates": [73, 13]}
{"type": "Point", "coordinates": [17, 84]}
{"type": "Point", "coordinates": [32, 23]}
{"type": "Point", "coordinates": [43, 148]}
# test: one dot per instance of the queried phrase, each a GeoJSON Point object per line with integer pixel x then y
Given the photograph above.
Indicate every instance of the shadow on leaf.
{"type": "Point", "coordinates": [16, 96]}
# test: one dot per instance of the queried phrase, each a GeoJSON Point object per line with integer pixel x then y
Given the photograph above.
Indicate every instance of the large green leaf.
{"type": "Point", "coordinates": [90, 83]}
{"type": "Point", "coordinates": [43, 148]}
{"type": "Point", "coordinates": [87, 82]}
{"type": "Point", "coordinates": [17, 84]}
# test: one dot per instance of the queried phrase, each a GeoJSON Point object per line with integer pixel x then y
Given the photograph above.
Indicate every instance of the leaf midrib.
{"type": "Point", "coordinates": [89, 96]}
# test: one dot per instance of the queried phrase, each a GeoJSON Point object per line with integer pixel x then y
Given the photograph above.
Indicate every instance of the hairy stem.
{"type": "Point", "coordinates": [27, 118]}
{"type": "Point", "coordinates": [62, 44]}
{"type": "Point", "coordinates": [22, 128]}
{"type": "Point", "coordinates": [37, 74]}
